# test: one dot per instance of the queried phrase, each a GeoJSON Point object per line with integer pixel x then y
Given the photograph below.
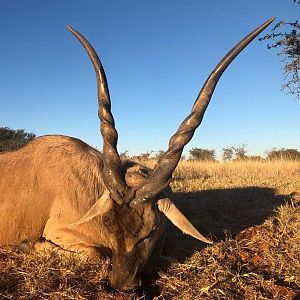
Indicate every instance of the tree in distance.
{"type": "Point", "coordinates": [11, 139]}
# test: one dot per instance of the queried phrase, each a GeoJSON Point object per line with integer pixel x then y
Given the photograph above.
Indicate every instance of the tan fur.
{"type": "Point", "coordinates": [47, 185]}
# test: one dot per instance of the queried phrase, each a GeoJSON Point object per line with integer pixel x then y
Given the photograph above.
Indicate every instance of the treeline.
{"type": "Point", "coordinates": [230, 153]}
{"type": "Point", "coordinates": [11, 139]}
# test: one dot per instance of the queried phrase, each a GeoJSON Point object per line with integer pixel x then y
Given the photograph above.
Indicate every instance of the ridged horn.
{"type": "Point", "coordinates": [167, 163]}
{"type": "Point", "coordinates": [113, 178]}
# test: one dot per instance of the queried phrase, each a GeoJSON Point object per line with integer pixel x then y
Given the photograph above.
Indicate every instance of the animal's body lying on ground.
{"type": "Point", "coordinates": [59, 192]}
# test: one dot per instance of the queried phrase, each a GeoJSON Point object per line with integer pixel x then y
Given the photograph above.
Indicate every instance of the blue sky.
{"type": "Point", "coordinates": [157, 55]}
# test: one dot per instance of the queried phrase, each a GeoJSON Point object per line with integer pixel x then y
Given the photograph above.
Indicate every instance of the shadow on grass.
{"type": "Point", "coordinates": [215, 212]}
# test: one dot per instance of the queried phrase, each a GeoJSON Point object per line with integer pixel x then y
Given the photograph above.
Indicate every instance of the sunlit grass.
{"type": "Point", "coordinates": [283, 175]}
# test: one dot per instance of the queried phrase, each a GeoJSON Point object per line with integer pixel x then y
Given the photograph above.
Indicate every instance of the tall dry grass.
{"type": "Point", "coordinates": [283, 175]}
{"type": "Point", "coordinates": [249, 208]}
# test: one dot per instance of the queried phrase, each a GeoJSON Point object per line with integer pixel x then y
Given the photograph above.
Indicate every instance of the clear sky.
{"type": "Point", "coordinates": [156, 54]}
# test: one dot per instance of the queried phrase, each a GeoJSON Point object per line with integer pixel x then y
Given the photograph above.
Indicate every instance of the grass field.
{"type": "Point", "coordinates": [249, 208]}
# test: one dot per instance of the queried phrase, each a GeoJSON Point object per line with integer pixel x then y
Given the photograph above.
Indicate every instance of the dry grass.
{"type": "Point", "coordinates": [251, 210]}
{"type": "Point", "coordinates": [259, 263]}
{"type": "Point", "coordinates": [281, 175]}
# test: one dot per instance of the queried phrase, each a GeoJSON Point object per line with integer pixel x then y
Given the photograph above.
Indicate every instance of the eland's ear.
{"type": "Point", "coordinates": [100, 206]}
{"type": "Point", "coordinates": [168, 208]}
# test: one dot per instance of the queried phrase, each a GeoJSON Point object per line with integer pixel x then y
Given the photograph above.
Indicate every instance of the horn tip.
{"type": "Point", "coordinates": [205, 240]}
{"type": "Point", "coordinates": [70, 28]}
{"type": "Point", "coordinates": [271, 19]}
